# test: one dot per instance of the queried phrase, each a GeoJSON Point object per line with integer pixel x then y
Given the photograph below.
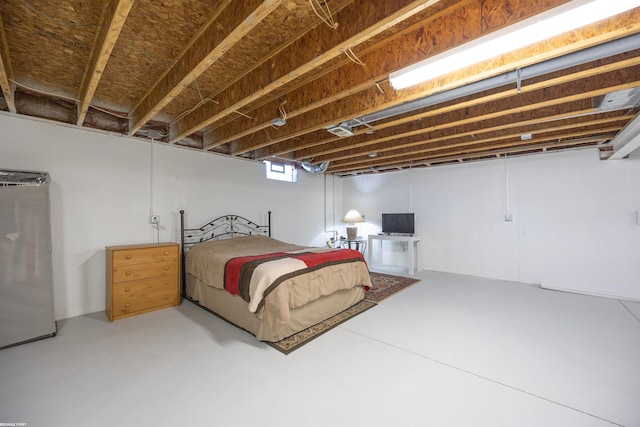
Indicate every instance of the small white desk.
{"type": "Point", "coordinates": [413, 243]}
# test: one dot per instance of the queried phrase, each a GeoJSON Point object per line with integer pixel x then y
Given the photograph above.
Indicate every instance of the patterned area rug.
{"type": "Point", "coordinates": [384, 285]}
{"type": "Point", "coordinates": [295, 341]}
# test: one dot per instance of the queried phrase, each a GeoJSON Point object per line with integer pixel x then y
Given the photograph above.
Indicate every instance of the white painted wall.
{"type": "Point", "coordinates": [574, 215]}
{"type": "Point", "coordinates": [574, 219]}
{"type": "Point", "coordinates": [100, 196]}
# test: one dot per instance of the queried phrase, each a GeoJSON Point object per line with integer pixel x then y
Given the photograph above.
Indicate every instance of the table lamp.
{"type": "Point", "coordinates": [351, 218]}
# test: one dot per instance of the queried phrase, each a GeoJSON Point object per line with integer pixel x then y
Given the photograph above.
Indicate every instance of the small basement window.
{"type": "Point", "coordinates": [281, 171]}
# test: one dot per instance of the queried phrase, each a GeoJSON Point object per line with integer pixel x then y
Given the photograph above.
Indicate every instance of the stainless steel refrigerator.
{"type": "Point", "coordinates": [26, 271]}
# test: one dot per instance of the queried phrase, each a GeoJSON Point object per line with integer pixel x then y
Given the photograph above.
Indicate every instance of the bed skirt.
{"type": "Point", "coordinates": [264, 325]}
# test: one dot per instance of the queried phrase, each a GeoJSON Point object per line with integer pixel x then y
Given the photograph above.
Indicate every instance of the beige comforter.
{"type": "Point", "coordinates": [206, 261]}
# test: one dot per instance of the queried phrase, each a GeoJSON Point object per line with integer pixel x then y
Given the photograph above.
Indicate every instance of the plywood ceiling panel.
{"type": "Point", "coordinates": [213, 75]}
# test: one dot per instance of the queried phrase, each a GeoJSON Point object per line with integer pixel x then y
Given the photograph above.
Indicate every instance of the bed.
{"type": "Point", "coordinates": [234, 268]}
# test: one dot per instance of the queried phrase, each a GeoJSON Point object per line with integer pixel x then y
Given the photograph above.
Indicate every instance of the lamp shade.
{"type": "Point", "coordinates": [352, 217]}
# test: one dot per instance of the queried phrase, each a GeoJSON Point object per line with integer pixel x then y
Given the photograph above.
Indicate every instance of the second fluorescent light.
{"type": "Point", "coordinates": [570, 16]}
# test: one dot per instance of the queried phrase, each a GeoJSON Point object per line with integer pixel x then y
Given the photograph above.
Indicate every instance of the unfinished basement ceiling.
{"type": "Point", "coordinates": [267, 79]}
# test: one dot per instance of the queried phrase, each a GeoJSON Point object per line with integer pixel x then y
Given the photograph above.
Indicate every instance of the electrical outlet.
{"type": "Point", "coordinates": [154, 219]}
{"type": "Point", "coordinates": [508, 217]}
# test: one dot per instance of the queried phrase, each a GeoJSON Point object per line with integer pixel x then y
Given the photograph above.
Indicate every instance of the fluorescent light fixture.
{"type": "Point", "coordinates": [570, 16]}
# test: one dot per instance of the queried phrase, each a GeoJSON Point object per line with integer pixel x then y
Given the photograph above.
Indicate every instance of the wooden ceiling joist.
{"type": "Point", "coordinates": [481, 144]}
{"type": "Point", "coordinates": [471, 150]}
{"type": "Point", "coordinates": [459, 119]}
{"type": "Point", "coordinates": [5, 71]}
{"type": "Point", "coordinates": [352, 79]}
{"type": "Point", "coordinates": [220, 35]}
{"type": "Point", "coordinates": [113, 18]}
{"type": "Point", "coordinates": [346, 80]}
{"type": "Point", "coordinates": [580, 96]}
{"type": "Point", "coordinates": [500, 130]}
{"type": "Point", "coordinates": [463, 156]}
{"type": "Point", "coordinates": [576, 139]}
{"type": "Point", "coordinates": [341, 110]}
{"type": "Point", "coordinates": [323, 143]}
{"type": "Point", "coordinates": [213, 76]}
{"type": "Point", "coordinates": [415, 44]}
{"type": "Point", "coordinates": [362, 21]}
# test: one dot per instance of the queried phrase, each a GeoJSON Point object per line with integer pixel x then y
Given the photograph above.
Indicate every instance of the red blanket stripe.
{"type": "Point", "coordinates": [234, 267]}
{"type": "Point", "coordinates": [311, 259]}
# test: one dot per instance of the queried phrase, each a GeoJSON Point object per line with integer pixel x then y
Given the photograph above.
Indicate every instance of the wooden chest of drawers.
{"type": "Point", "coordinates": [141, 278]}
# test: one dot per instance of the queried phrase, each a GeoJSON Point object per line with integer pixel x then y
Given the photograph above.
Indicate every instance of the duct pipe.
{"type": "Point", "coordinates": [594, 53]}
{"type": "Point", "coordinates": [319, 168]}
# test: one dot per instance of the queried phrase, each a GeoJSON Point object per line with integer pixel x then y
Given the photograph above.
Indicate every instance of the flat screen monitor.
{"type": "Point", "coordinates": [398, 223]}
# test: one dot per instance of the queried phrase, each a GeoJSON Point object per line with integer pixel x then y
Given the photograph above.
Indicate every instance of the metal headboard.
{"type": "Point", "coordinates": [224, 227]}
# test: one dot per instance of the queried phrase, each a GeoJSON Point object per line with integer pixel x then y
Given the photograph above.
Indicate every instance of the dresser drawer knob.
{"type": "Point", "coordinates": [127, 257]}
{"type": "Point", "coordinates": [166, 252]}
{"type": "Point", "coordinates": [127, 289]}
{"type": "Point", "coordinates": [166, 267]}
{"type": "Point", "coordinates": [127, 305]}
{"type": "Point", "coordinates": [127, 273]}
{"type": "Point", "coordinates": [166, 282]}
{"type": "Point", "coordinates": [166, 297]}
